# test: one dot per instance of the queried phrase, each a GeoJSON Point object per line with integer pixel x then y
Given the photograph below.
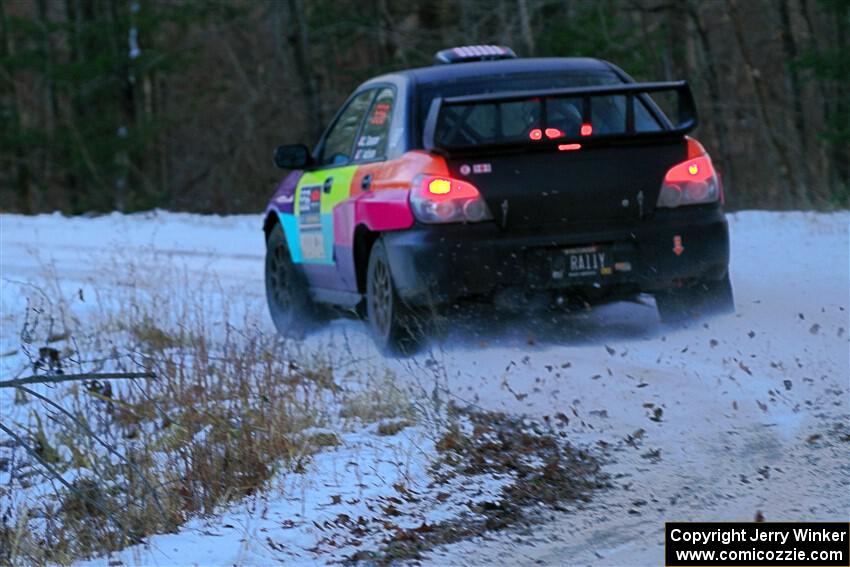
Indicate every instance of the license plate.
{"type": "Point", "coordinates": [582, 262]}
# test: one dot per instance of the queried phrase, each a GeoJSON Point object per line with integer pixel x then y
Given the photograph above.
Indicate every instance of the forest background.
{"type": "Point", "coordinates": [134, 104]}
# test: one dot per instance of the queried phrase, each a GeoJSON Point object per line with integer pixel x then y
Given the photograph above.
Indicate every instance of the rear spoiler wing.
{"type": "Point", "coordinates": [686, 119]}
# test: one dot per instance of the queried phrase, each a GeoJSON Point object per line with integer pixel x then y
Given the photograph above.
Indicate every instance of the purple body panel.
{"type": "Point", "coordinates": [283, 200]}
{"type": "Point", "coordinates": [344, 259]}
{"type": "Point", "coordinates": [324, 276]}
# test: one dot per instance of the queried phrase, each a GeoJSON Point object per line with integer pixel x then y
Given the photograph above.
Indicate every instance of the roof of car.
{"type": "Point", "coordinates": [471, 70]}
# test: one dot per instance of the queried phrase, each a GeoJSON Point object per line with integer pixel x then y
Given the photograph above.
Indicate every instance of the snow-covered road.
{"type": "Point", "coordinates": [712, 421]}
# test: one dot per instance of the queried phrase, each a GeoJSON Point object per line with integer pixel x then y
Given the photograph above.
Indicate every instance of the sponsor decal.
{"type": "Point", "coordinates": [482, 168]}
{"type": "Point", "coordinates": [368, 141]}
{"type": "Point", "coordinates": [312, 244]}
{"type": "Point", "coordinates": [310, 217]}
{"type": "Point", "coordinates": [380, 114]}
{"type": "Point", "coordinates": [465, 169]}
{"type": "Point", "coordinates": [365, 154]}
{"type": "Point", "coordinates": [309, 206]}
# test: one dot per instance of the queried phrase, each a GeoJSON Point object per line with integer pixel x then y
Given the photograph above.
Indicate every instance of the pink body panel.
{"type": "Point", "coordinates": [385, 210]}
{"type": "Point", "coordinates": [379, 211]}
{"type": "Point", "coordinates": [385, 206]}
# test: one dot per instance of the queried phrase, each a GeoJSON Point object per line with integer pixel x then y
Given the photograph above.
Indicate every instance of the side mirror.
{"type": "Point", "coordinates": [294, 156]}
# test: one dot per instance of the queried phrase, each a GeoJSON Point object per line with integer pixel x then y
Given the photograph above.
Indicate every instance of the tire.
{"type": "Point", "coordinates": [290, 306]}
{"type": "Point", "coordinates": [703, 299]}
{"type": "Point", "coordinates": [394, 326]}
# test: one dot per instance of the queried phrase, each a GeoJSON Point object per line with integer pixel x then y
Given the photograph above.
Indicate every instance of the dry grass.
{"type": "Point", "coordinates": [230, 407]}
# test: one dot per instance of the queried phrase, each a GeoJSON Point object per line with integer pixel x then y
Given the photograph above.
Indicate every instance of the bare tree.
{"type": "Point", "coordinates": [299, 40]}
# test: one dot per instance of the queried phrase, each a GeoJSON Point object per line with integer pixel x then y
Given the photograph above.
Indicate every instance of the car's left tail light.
{"type": "Point", "coordinates": [438, 199]}
{"type": "Point", "coordinates": [692, 182]}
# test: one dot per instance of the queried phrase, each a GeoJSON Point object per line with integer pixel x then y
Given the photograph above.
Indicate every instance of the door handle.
{"type": "Point", "coordinates": [366, 182]}
{"type": "Point", "coordinates": [329, 183]}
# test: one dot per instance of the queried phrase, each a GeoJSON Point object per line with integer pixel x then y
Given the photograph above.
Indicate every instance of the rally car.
{"type": "Point", "coordinates": [496, 178]}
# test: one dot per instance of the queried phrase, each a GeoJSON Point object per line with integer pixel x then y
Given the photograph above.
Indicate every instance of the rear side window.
{"type": "Point", "coordinates": [487, 123]}
{"type": "Point", "coordinates": [372, 141]}
{"type": "Point", "coordinates": [339, 143]}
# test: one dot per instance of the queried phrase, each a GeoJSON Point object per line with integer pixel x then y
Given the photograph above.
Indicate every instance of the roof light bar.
{"type": "Point", "coordinates": [467, 53]}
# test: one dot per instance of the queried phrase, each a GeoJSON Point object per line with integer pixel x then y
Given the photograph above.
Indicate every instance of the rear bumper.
{"type": "Point", "coordinates": [440, 263]}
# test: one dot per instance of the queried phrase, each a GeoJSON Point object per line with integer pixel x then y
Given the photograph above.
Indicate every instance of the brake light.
{"type": "Point", "coordinates": [437, 199]}
{"type": "Point", "coordinates": [553, 133]}
{"type": "Point", "coordinates": [567, 147]}
{"type": "Point", "coordinates": [536, 134]}
{"type": "Point", "coordinates": [692, 182]}
{"type": "Point", "coordinates": [586, 129]}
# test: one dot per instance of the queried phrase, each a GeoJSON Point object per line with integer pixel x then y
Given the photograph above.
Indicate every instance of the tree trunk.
{"type": "Point", "coordinates": [779, 151]}
{"type": "Point", "coordinates": [525, 27]}
{"type": "Point", "coordinates": [299, 39]}
{"type": "Point", "coordinates": [830, 179]}
{"type": "Point", "coordinates": [793, 86]}
{"type": "Point", "coordinates": [841, 146]}
{"type": "Point", "coordinates": [678, 38]}
{"type": "Point", "coordinates": [51, 105]}
{"type": "Point", "coordinates": [22, 177]}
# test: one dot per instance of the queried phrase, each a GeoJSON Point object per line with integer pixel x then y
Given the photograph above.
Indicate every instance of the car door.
{"type": "Point", "coordinates": [322, 188]}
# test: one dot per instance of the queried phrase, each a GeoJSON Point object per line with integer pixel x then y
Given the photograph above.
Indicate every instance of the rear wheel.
{"type": "Point", "coordinates": [290, 306]}
{"type": "Point", "coordinates": [705, 298]}
{"type": "Point", "coordinates": [394, 325]}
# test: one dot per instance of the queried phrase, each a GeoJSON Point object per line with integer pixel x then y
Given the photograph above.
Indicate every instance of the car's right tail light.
{"type": "Point", "coordinates": [438, 199]}
{"type": "Point", "coordinates": [692, 182]}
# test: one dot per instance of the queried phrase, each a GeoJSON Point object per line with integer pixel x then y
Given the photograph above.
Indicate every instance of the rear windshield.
{"type": "Point", "coordinates": [507, 122]}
